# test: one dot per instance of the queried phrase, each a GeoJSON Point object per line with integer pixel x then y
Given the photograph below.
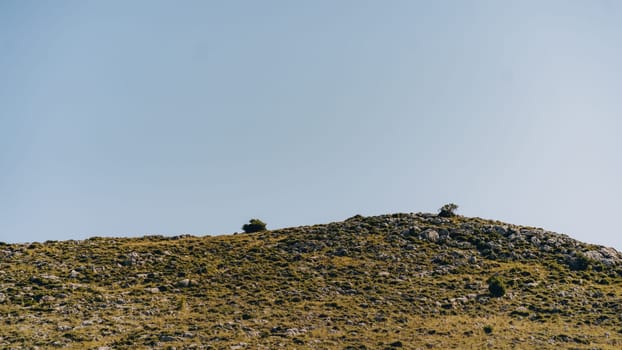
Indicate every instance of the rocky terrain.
{"type": "Point", "coordinates": [412, 281]}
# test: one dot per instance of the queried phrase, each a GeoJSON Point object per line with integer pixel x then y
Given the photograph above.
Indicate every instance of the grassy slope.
{"type": "Point", "coordinates": [360, 284]}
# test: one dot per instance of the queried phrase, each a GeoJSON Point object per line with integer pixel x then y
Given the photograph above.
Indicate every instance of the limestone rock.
{"type": "Point", "coordinates": [430, 235]}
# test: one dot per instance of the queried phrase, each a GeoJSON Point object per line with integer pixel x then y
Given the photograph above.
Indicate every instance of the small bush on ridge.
{"type": "Point", "coordinates": [254, 225]}
{"type": "Point", "coordinates": [447, 210]}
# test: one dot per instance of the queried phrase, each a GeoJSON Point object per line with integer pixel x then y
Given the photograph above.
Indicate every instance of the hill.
{"type": "Point", "coordinates": [413, 281]}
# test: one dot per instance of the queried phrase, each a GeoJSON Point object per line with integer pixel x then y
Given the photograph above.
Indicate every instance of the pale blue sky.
{"type": "Point", "coordinates": [125, 118]}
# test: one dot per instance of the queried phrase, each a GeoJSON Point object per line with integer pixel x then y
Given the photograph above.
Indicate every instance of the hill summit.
{"type": "Point", "coordinates": [406, 280]}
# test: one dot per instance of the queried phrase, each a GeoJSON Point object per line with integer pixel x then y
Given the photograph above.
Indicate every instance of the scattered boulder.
{"type": "Point", "coordinates": [183, 283]}
{"type": "Point", "coordinates": [47, 299]}
{"type": "Point", "coordinates": [341, 252]}
{"type": "Point", "coordinates": [430, 235]}
{"type": "Point", "coordinates": [411, 231]}
{"type": "Point", "coordinates": [167, 338]}
{"type": "Point", "coordinates": [605, 255]}
{"type": "Point", "coordinates": [186, 282]}
{"type": "Point", "coordinates": [132, 259]}
{"type": "Point", "coordinates": [295, 331]}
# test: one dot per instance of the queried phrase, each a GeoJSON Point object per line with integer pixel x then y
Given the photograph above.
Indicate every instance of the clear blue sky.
{"type": "Point", "coordinates": [125, 118]}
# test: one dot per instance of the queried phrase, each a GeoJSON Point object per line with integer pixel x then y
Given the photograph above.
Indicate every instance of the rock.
{"type": "Point", "coordinates": [277, 330]}
{"type": "Point", "coordinates": [405, 233]}
{"type": "Point", "coordinates": [183, 283]}
{"type": "Point", "coordinates": [463, 300]}
{"type": "Point", "coordinates": [605, 255]}
{"type": "Point", "coordinates": [502, 230]}
{"type": "Point", "coordinates": [430, 235]}
{"type": "Point", "coordinates": [443, 233]}
{"type": "Point", "coordinates": [515, 237]}
{"type": "Point", "coordinates": [2, 297]}
{"type": "Point", "coordinates": [295, 331]}
{"type": "Point", "coordinates": [132, 259]}
{"type": "Point", "coordinates": [167, 338]}
{"type": "Point", "coordinates": [520, 311]}
{"type": "Point", "coordinates": [47, 299]}
{"type": "Point", "coordinates": [49, 277]}
{"type": "Point", "coordinates": [411, 231]}
{"type": "Point", "coordinates": [74, 274]}
{"type": "Point", "coordinates": [6, 253]}
{"type": "Point", "coordinates": [609, 252]}
{"type": "Point", "coordinates": [153, 290]}
{"type": "Point", "coordinates": [341, 252]}
{"type": "Point", "coordinates": [473, 286]}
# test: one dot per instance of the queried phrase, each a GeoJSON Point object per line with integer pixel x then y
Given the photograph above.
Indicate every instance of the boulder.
{"type": "Point", "coordinates": [430, 235]}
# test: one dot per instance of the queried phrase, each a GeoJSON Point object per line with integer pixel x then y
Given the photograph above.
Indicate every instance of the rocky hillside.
{"type": "Point", "coordinates": [413, 281]}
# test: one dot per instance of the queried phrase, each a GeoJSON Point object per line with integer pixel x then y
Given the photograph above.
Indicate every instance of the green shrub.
{"type": "Point", "coordinates": [488, 329]}
{"type": "Point", "coordinates": [496, 286]}
{"type": "Point", "coordinates": [447, 210]}
{"type": "Point", "coordinates": [579, 263]}
{"type": "Point", "coordinates": [254, 225]}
